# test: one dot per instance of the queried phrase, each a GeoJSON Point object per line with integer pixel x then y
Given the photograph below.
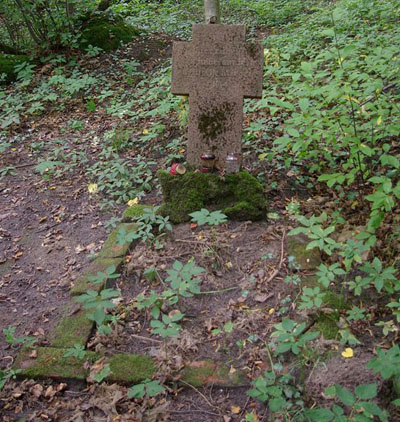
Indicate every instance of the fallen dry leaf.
{"type": "Point", "coordinates": [36, 390]}
{"type": "Point", "coordinates": [235, 409]}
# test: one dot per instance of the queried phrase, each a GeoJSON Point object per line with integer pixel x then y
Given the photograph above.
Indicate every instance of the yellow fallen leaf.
{"type": "Point", "coordinates": [348, 353]}
{"type": "Point", "coordinates": [271, 311]}
{"type": "Point", "coordinates": [229, 265]}
{"type": "Point", "coordinates": [235, 409]}
{"type": "Point", "coordinates": [145, 132]}
{"type": "Point", "coordinates": [133, 202]}
{"type": "Point", "coordinates": [92, 187]}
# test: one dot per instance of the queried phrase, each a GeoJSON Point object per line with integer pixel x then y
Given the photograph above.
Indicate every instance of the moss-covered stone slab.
{"type": "Point", "coordinates": [71, 330]}
{"type": "Point", "coordinates": [130, 369]}
{"type": "Point", "coordinates": [106, 34]}
{"type": "Point", "coordinates": [51, 363]}
{"type": "Point", "coordinates": [240, 196]}
{"type": "Point", "coordinates": [111, 248]}
{"type": "Point", "coordinates": [8, 63]}
{"type": "Point", "coordinates": [307, 259]}
{"type": "Point", "coordinates": [134, 212]}
{"type": "Point", "coordinates": [83, 283]}
{"type": "Point", "coordinates": [208, 372]}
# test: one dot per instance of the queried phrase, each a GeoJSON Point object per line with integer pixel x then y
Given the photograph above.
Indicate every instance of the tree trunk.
{"type": "Point", "coordinates": [104, 5]}
{"type": "Point", "coordinates": [212, 11]}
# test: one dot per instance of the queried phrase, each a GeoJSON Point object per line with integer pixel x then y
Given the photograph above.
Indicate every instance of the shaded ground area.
{"type": "Point", "coordinates": [238, 259]}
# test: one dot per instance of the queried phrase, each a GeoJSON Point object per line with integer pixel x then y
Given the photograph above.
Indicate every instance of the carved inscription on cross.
{"type": "Point", "coordinates": [216, 70]}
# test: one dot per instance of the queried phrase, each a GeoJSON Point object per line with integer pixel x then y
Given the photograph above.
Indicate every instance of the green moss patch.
{"type": "Point", "coordinates": [83, 283]}
{"type": "Point", "coordinates": [134, 212]}
{"type": "Point", "coordinates": [51, 363]}
{"type": "Point", "coordinates": [308, 259]}
{"type": "Point", "coordinates": [111, 248]}
{"type": "Point", "coordinates": [327, 326]}
{"type": "Point", "coordinates": [131, 369]}
{"type": "Point", "coordinates": [208, 372]}
{"type": "Point", "coordinates": [107, 35]}
{"type": "Point", "coordinates": [240, 196]}
{"type": "Point", "coordinates": [71, 330]}
{"type": "Point", "coordinates": [8, 63]}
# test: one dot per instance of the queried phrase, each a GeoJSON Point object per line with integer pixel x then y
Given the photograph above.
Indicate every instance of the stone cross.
{"type": "Point", "coordinates": [217, 69]}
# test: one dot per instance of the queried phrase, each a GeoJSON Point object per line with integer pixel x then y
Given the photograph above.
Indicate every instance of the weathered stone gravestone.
{"type": "Point", "coordinates": [216, 70]}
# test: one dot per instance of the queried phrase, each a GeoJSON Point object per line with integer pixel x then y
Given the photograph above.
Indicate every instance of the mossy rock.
{"type": "Point", "coordinates": [240, 196]}
{"type": "Point", "coordinates": [134, 212]}
{"type": "Point", "coordinates": [83, 283]}
{"type": "Point", "coordinates": [73, 329]}
{"type": "Point", "coordinates": [208, 372]}
{"type": "Point", "coordinates": [111, 248]}
{"type": "Point", "coordinates": [51, 363]}
{"type": "Point", "coordinates": [308, 259]}
{"type": "Point", "coordinates": [8, 63]}
{"type": "Point", "coordinates": [107, 35]}
{"type": "Point", "coordinates": [131, 369]}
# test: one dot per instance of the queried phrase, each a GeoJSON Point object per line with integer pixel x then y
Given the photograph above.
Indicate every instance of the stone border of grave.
{"type": "Point", "coordinates": [75, 328]}
{"type": "Point", "coordinates": [127, 369]}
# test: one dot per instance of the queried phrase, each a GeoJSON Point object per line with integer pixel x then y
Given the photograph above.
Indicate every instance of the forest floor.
{"type": "Point", "coordinates": [51, 226]}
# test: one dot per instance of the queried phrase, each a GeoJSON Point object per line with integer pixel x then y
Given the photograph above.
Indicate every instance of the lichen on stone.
{"type": "Point", "coordinates": [213, 122]}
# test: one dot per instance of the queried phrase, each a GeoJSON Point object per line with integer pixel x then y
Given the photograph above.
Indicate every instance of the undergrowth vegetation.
{"type": "Point", "coordinates": [329, 122]}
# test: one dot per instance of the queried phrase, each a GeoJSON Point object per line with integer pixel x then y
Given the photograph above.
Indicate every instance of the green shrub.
{"type": "Point", "coordinates": [8, 63]}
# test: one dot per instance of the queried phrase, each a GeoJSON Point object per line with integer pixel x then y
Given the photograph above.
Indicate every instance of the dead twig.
{"type": "Point", "coordinates": [188, 412]}
{"type": "Point", "coordinates": [282, 260]}
{"type": "Point", "coordinates": [145, 338]}
{"type": "Point", "coordinates": [201, 394]}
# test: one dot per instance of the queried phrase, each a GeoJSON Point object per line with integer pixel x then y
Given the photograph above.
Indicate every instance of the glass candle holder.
{"type": "Point", "coordinates": [233, 162]}
{"type": "Point", "coordinates": [208, 162]}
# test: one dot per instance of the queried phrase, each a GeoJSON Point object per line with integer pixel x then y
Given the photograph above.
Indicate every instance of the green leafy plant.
{"type": "Point", "coordinates": [10, 338]}
{"type": "Point", "coordinates": [387, 364]}
{"type": "Point", "coordinates": [290, 336]}
{"type": "Point", "coordinates": [278, 391]}
{"type": "Point", "coordinates": [361, 408]}
{"type": "Point", "coordinates": [227, 328]}
{"type": "Point", "coordinates": [327, 275]}
{"type": "Point", "coordinates": [78, 351]}
{"type": "Point", "coordinates": [7, 374]}
{"type": "Point", "coordinates": [168, 325]}
{"type": "Point", "coordinates": [153, 301]}
{"type": "Point", "coordinates": [99, 303]}
{"type": "Point", "coordinates": [212, 218]}
{"type": "Point", "coordinates": [103, 277]}
{"type": "Point", "coordinates": [146, 388]}
{"type": "Point", "coordinates": [312, 297]}
{"type": "Point", "coordinates": [9, 170]}
{"type": "Point", "coordinates": [183, 280]}
{"type": "Point", "coordinates": [103, 373]}
{"type": "Point", "coordinates": [151, 227]}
